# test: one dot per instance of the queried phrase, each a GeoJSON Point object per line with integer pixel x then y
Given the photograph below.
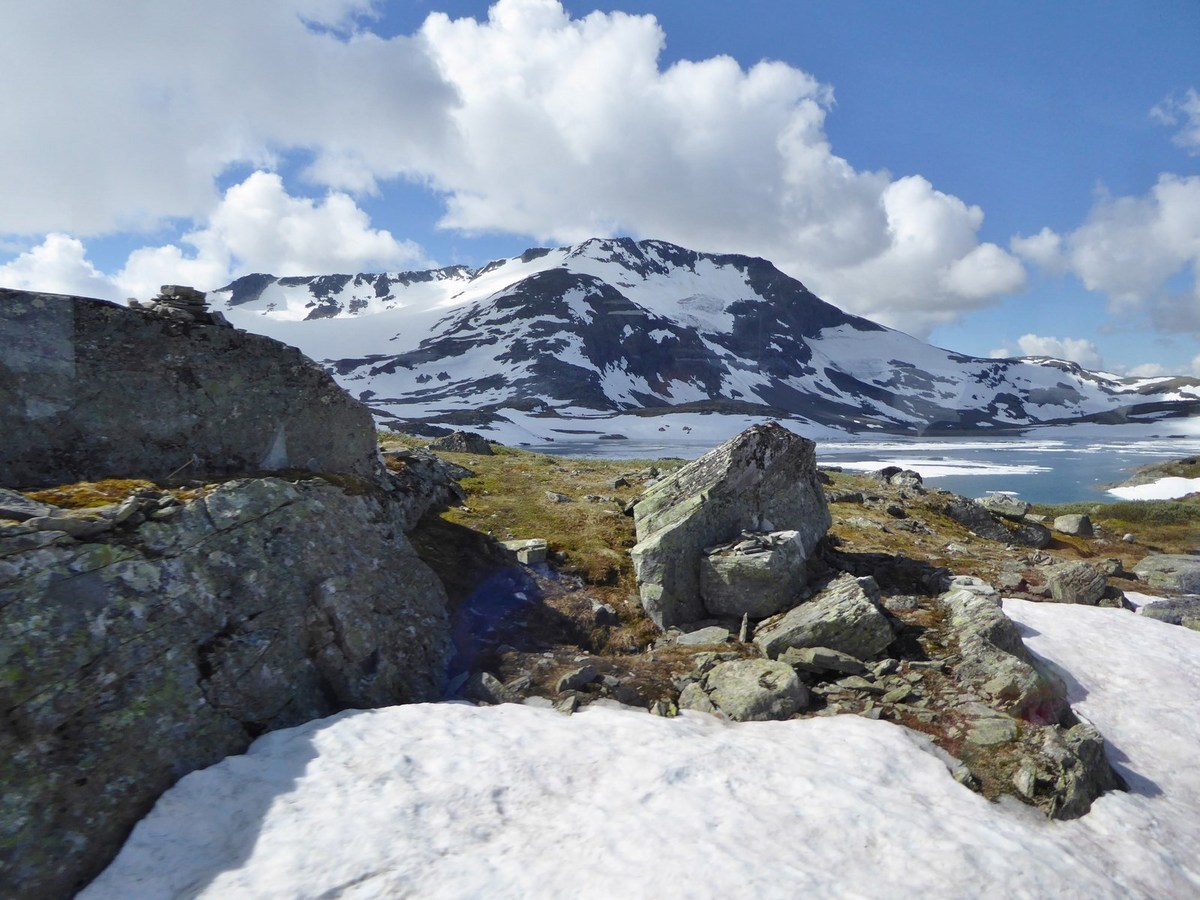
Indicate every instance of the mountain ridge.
{"type": "Point", "coordinates": [612, 328]}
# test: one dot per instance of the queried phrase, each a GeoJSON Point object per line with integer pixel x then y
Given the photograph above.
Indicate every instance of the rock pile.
{"type": "Point", "coordinates": [182, 303]}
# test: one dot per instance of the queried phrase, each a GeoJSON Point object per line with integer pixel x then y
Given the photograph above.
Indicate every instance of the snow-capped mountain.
{"type": "Point", "coordinates": [613, 328]}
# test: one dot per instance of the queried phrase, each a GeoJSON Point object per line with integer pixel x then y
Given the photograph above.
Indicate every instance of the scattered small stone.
{"type": "Point", "coordinates": [556, 497]}
{"type": "Point", "coordinates": [714, 634]}
{"type": "Point", "coordinates": [567, 704]}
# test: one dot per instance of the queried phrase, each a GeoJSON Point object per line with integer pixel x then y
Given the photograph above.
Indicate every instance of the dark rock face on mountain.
{"type": "Point", "coordinates": [618, 326]}
{"type": "Point", "coordinates": [96, 390]}
{"type": "Point", "coordinates": [765, 480]}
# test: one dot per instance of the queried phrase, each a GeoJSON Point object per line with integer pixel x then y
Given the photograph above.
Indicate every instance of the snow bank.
{"type": "Point", "coordinates": [1163, 489]}
{"type": "Point", "coordinates": [450, 800]}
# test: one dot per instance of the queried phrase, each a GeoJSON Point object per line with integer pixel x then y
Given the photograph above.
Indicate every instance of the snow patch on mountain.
{"type": "Point", "coordinates": [618, 328]}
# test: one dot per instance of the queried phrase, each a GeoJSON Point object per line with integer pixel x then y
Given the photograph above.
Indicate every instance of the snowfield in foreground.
{"type": "Point", "coordinates": [450, 800]}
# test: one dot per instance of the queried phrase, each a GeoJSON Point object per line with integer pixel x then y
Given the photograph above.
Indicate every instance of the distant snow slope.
{"type": "Point", "coordinates": [453, 801]}
{"type": "Point", "coordinates": [616, 327]}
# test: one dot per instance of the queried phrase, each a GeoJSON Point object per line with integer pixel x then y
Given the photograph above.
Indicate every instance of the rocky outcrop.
{"type": "Point", "coordinates": [172, 640]}
{"type": "Point", "coordinates": [763, 480]}
{"type": "Point", "coordinates": [994, 657]}
{"type": "Point", "coordinates": [98, 390]}
{"type": "Point", "coordinates": [1172, 572]}
{"type": "Point", "coordinates": [845, 616]}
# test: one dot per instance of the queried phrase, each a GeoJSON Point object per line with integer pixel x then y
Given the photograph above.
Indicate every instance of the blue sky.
{"type": "Point", "coordinates": [1018, 177]}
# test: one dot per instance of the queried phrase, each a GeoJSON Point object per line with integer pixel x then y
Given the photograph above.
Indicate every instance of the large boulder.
{"type": "Point", "coordinates": [1170, 571]}
{"type": "Point", "coordinates": [748, 690]}
{"type": "Point", "coordinates": [845, 616]}
{"type": "Point", "coordinates": [1004, 504]}
{"type": "Point", "coordinates": [757, 577]}
{"type": "Point", "coordinates": [96, 390]}
{"type": "Point", "coordinates": [1076, 524]}
{"type": "Point", "coordinates": [171, 641]}
{"type": "Point", "coordinates": [1183, 611]}
{"type": "Point", "coordinates": [765, 479]}
{"type": "Point", "coordinates": [987, 523]}
{"type": "Point", "coordinates": [1076, 582]}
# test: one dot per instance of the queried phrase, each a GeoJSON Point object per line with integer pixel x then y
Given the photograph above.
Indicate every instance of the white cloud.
{"type": "Point", "coordinates": [259, 227]}
{"type": "Point", "coordinates": [1185, 112]}
{"type": "Point", "coordinates": [530, 122]}
{"type": "Point", "coordinates": [1147, 370]}
{"type": "Point", "coordinates": [58, 265]}
{"type": "Point", "coordinates": [1077, 350]}
{"type": "Point", "coordinates": [572, 129]}
{"type": "Point", "coordinates": [1044, 249]}
{"type": "Point", "coordinates": [1196, 366]}
{"type": "Point", "coordinates": [999, 353]}
{"type": "Point", "coordinates": [256, 227]}
{"type": "Point", "coordinates": [118, 114]}
{"type": "Point", "coordinates": [1130, 246]}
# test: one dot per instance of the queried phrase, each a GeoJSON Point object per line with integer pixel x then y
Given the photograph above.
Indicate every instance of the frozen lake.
{"type": "Point", "coordinates": [1058, 465]}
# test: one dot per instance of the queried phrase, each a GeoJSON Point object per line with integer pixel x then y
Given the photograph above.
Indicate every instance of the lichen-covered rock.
{"type": "Point", "coordinates": [991, 654]}
{"type": "Point", "coordinates": [95, 390]}
{"type": "Point", "coordinates": [131, 660]}
{"type": "Point", "coordinates": [987, 524]}
{"type": "Point", "coordinates": [765, 479]}
{"type": "Point", "coordinates": [1183, 611]}
{"type": "Point", "coordinates": [757, 578]}
{"type": "Point", "coordinates": [748, 690]}
{"type": "Point", "coordinates": [1008, 506]}
{"type": "Point", "coordinates": [1076, 582]}
{"type": "Point", "coordinates": [845, 616]}
{"type": "Point", "coordinates": [1170, 571]}
{"type": "Point", "coordinates": [463, 442]}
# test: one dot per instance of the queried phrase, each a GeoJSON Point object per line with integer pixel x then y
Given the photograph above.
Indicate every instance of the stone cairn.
{"type": "Point", "coordinates": [183, 303]}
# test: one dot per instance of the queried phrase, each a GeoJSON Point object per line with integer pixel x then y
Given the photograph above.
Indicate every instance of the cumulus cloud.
{"type": "Point", "coordinates": [58, 265]}
{"type": "Point", "coordinates": [119, 114]}
{"type": "Point", "coordinates": [1044, 249]}
{"type": "Point", "coordinates": [529, 122]}
{"type": "Point", "coordinates": [572, 129]}
{"type": "Point", "coordinates": [256, 227]}
{"type": "Point", "coordinates": [1183, 112]}
{"type": "Point", "coordinates": [1077, 350]}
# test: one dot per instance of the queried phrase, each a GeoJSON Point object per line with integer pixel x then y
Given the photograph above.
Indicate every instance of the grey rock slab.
{"type": "Point", "coordinates": [756, 578]}
{"type": "Point", "coordinates": [18, 507]}
{"type": "Point", "coordinates": [755, 690]}
{"type": "Point", "coordinates": [1076, 524]}
{"type": "Point", "coordinates": [1173, 572]}
{"type": "Point", "coordinates": [765, 479]}
{"type": "Point", "coordinates": [713, 634]}
{"type": "Point", "coordinates": [993, 730]}
{"type": "Point", "coordinates": [577, 679]}
{"type": "Point", "coordinates": [1003, 504]}
{"type": "Point", "coordinates": [844, 616]}
{"type": "Point", "coordinates": [820, 660]}
{"type": "Point", "coordinates": [1184, 611]}
{"type": "Point", "coordinates": [1075, 582]}
{"type": "Point", "coordinates": [463, 442]}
